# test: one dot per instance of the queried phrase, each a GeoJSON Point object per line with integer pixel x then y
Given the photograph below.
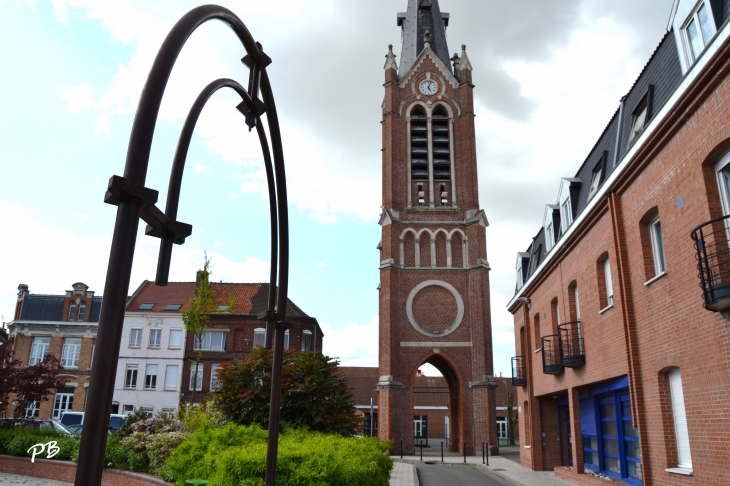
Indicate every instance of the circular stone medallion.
{"type": "Point", "coordinates": [435, 308]}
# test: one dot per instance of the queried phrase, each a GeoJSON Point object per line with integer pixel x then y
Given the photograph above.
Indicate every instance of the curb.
{"type": "Point", "coordinates": [415, 473]}
{"type": "Point", "coordinates": [495, 475]}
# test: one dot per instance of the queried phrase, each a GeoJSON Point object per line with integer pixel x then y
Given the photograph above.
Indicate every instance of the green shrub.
{"type": "Point", "coordinates": [23, 441]}
{"type": "Point", "coordinates": [234, 454]}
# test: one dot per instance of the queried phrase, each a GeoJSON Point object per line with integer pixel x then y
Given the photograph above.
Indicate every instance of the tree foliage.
{"type": "Point", "coordinates": [27, 384]}
{"type": "Point", "coordinates": [197, 317]}
{"type": "Point", "coordinates": [313, 394]}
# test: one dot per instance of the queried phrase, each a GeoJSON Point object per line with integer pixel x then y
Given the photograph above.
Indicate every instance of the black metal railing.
{"type": "Point", "coordinates": [519, 371]}
{"type": "Point", "coordinates": [552, 362]}
{"type": "Point", "coordinates": [713, 262]}
{"type": "Point", "coordinates": [571, 344]}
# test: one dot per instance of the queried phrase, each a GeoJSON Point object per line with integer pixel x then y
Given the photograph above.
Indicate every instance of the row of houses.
{"type": "Point", "coordinates": [621, 302]}
{"type": "Point", "coordinates": [155, 370]}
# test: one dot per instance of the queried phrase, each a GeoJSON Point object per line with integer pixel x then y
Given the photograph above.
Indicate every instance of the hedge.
{"type": "Point", "coordinates": [235, 454]}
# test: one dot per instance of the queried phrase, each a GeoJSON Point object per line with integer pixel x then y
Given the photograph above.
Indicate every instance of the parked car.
{"type": "Point", "coordinates": [35, 424]}
{"type": "Point", "coordinates": [77, 418]}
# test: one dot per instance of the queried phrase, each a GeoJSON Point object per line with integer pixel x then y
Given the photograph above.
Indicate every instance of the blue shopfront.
{"type": "Point", "coordinates": [610, 442]}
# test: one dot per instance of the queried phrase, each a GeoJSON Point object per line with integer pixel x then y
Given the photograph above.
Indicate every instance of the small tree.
{"type": "Point", "coordinates": [36, 383]}
{"type": "Point", "coordinates": [197, 317]}
{"type": "Point", "coordinates": [8, 377]}
{"type": "Point", "coordinates": [313, 393]}
{"type": "Point", "coordinates": [512, 419]}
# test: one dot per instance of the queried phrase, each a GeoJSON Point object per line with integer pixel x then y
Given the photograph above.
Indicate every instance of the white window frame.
{"type": "Point", "coordinates": [155, 343]}
{"type": "Point", "coordinates": [547, 224]}
{"type": "Point", "coordinates": [639, 120]}
{"type": "Point", "coordinates": [131, 384]}
{"type": "Point", "coordinates": [169, 378]}
{"type": "Point", "coordinates": [206, 344]}
{"type": "Point", "coordinates": [135, 343]}
{"type": "Point", "coordinates": [306, 334]}
{"type": "Point", "coordinates": [71, 352]}
{"type": "Point", "coordinates": [502, 428]}
{"type": "Point", "coordinates": [722, 184]}
{"type": "Point", "coordinates": [609, 282]}
{"type": "Point", "coordinates": [149, 409]}
{"type": "Point", "coordinates": [151, 384]}
{"type": "Point", "coordinates": [62, 402]}
{"type": "Point", "coordinates": [566, 214]}
{"type": "Point", "coordinates": [33, 410]}
{"type": "Point", "coordinates": [259, 337]}
{"type": "Point", "coordinates": [286, 339]}
{"type": "Point", "coordinates": [595, 180]}
{"type": "Point", "coordinates": [214, 383]}
{"type": "Point", "coordinates": [200, 370]}
{"type": "Point", "coordinates": [679, 415]}
{"type": "Point", "coordinates": [657, 246]}
{"type": "Point", "coordinates": [72, 311]}
{"type": "Point", "coordinates": [171, 345]}
{"type": "Point", "coordinates": [81, 313]}
{"type": "Point", "coordinates": [127, 409]}
{"type": "Point", "coordinates": [39, 350]}
{"type": "Point", "coordinates": [691, 57]}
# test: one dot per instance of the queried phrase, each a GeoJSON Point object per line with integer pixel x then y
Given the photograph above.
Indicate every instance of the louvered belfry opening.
{"type": "Point", "coordinates": [419, 154]}
{"type": "Point", "coordinates": [441, 155]}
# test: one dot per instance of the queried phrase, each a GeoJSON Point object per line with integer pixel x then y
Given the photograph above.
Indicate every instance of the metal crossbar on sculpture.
{"type": "Point", "coordinates": [135, 201]}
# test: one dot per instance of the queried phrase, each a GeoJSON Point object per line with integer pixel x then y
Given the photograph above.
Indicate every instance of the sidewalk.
{"type": "Point", "coordinates": [500, 468]}
{"type": "Point", "coordinates": [7, 478]}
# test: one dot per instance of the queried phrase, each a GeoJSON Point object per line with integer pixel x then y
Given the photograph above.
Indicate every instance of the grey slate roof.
{"type": "Point", "coordinates": [422, 15]}
{"type": "Point", "coordinates": [39, 307]}
{"type": "Point", "coordinates": [663, 73]}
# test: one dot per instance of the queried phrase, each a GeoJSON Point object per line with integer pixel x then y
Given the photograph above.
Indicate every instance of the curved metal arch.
{"type": "Point", "coordinates": [135, 200]}
{"type": "Point", "coordinates": [176, 175]}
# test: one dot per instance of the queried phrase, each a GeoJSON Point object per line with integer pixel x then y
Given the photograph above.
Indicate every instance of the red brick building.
{"type": "Point", "coordinates": [63, 326]}
{"type": "Point", "coordinates": [434, 274]}
{"type": "Point", "coordinates": [430, 403]}
{"type": "Point", "coordinates": [622, 349]}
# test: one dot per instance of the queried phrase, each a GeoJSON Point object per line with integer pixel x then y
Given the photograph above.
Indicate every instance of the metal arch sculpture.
{"type": "Point", "coordinates": [135, 201]}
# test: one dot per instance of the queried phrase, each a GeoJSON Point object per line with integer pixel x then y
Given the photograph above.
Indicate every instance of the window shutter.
{"type": "Point", "coordinates": [171, 377]}
{"type": "Point", "coordinates": [680, 419]}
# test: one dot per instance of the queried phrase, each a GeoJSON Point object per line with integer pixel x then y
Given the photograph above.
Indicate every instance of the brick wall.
{"type": "Point", "coordinates": [66, 471]}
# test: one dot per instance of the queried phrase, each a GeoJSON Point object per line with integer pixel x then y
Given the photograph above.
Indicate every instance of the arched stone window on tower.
{"type": "Point", "coordinates": [441, 156]}
{"type": "Point", "coordinates": [419, 157]}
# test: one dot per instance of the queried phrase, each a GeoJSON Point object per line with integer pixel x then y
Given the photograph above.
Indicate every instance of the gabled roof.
{"type": "Point", "coordinates": [249, 298]}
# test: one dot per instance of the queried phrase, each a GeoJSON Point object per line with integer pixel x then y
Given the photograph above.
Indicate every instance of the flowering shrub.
{"type": "Point", "coordinates": [150, 444]}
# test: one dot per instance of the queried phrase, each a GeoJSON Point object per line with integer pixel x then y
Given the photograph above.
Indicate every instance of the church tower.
{"type": "Point", "coordinates": [434, 275]}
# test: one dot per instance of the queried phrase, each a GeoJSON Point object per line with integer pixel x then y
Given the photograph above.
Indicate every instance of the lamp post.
{"type": "Point", "coordinates": [135, 201]}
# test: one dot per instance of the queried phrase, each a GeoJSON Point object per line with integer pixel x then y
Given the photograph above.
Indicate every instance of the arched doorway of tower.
{"type": "Point", "coordinates": [436, 407]}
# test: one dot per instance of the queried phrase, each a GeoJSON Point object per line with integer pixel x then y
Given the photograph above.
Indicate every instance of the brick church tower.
{"type": "Point", "coordinates": [434, 275]}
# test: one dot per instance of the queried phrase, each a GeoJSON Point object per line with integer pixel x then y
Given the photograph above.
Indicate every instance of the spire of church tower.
{"type": "Point", "coordinates": [422, 16]}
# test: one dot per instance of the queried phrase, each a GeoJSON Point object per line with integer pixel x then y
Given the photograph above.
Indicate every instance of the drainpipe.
{"type": "Point", "coordinates": [618, 131]}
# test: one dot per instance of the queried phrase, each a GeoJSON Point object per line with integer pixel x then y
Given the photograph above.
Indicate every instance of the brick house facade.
{"type": "Point", "coordinates": [65, 327]}
{"type": "Point", "coordinates": [434, 275]}
{"type": "Point", "coordinates": [621, 369]}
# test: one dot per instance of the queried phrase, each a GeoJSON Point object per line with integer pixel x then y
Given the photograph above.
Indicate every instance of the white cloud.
{"type": "Point", "coordinates": [198, 167]}
{"type": "Point", "coordinates": [355, 345]}
{"type": "Point", "coordinates": [49, 259]}
{"type": "Point", "coordinates": [78, 97]}
{"type": "Point", "coordinates": [60, 10]}
{"type": "Point", "coordinates": [321, 265]}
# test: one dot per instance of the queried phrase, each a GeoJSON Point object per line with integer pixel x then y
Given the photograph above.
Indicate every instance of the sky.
{"type": "Point", "coordinates": [548, 77]}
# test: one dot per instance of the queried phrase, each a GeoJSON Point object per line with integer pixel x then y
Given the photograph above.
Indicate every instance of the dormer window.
{"type": "Point", "coordinates": [549, 237]}
{"type": "Point", "coordinates": [595, 181]}
{"type": "Point", "coordinates": [521, 268]}
{"type": "Point", "coordinates": [566, 215]}
{"type": "Point", "coordinates": [639, 121]}
{"type": "Point", "coordinates": [146, 306]}
{"type": "Point", "coordinates": [72, 312]}
{"type": "Point", "coordinates": [82, 311]}
{"type": "Point", "coordinates": [551, 225]}
{"type": "Point", "coordinates": [698, 30]}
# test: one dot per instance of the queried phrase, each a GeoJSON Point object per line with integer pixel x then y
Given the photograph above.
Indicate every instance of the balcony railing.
{"type": "Point", "coordinates": [552, 362]}
{"type": "Point", "coordinates": [571, 343]}
{"type": "Point", "coordinates": [713, 262]}
{"type": "Point", "coordinates": [519, 371]}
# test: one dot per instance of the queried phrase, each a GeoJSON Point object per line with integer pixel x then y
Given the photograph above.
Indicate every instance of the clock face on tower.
{"type": "Point", "coordinates": [428, 87]}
